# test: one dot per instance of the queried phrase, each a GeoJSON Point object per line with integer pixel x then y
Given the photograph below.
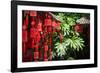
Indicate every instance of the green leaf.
{"type": "Point", "coordinates": [70, 58]}
{"type": "Point", "coordinates": [60, 49]}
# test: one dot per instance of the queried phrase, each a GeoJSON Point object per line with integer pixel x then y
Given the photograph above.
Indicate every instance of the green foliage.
{"type": "Point", "coordinates": [60, 49]}
{"type": "Point", "coordinates": [75, 43]}
{"type": "Point", "coordinates": [70, 58]}
{"type": "Point", "coordinates": [72, 39]}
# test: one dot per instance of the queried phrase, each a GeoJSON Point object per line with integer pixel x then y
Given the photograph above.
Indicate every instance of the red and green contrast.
{"type": "Point", "coordinates": [37, 30]}
{"type": "Point", "coordinates": [49, 36]}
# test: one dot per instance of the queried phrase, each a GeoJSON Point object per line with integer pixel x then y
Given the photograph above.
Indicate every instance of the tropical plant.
{"type": "Point", "coordinates": [72, 40]}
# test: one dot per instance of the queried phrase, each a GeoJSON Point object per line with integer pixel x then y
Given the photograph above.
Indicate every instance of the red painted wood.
{"type": "Point", "coordinates": [33, 13]}
{"type": "Point", "coordinates": [33, 43]}
{"type": "Point", "coordinates": [36, 55]}
{"type": "Point", "coordinates": [37, 32]}
{"type": "Point", "coordinates": [39, 27]}
{"type": "Point", "coordinates": [33, 22]}
{"type": "Point", "coordinates": [26, 20]}
{"type": "Point", "coordinates": [47, 22]}
{"type": "Point", "coordinates": [24, 36]}
{"type": "Point", "coordinates": [45, 48]}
